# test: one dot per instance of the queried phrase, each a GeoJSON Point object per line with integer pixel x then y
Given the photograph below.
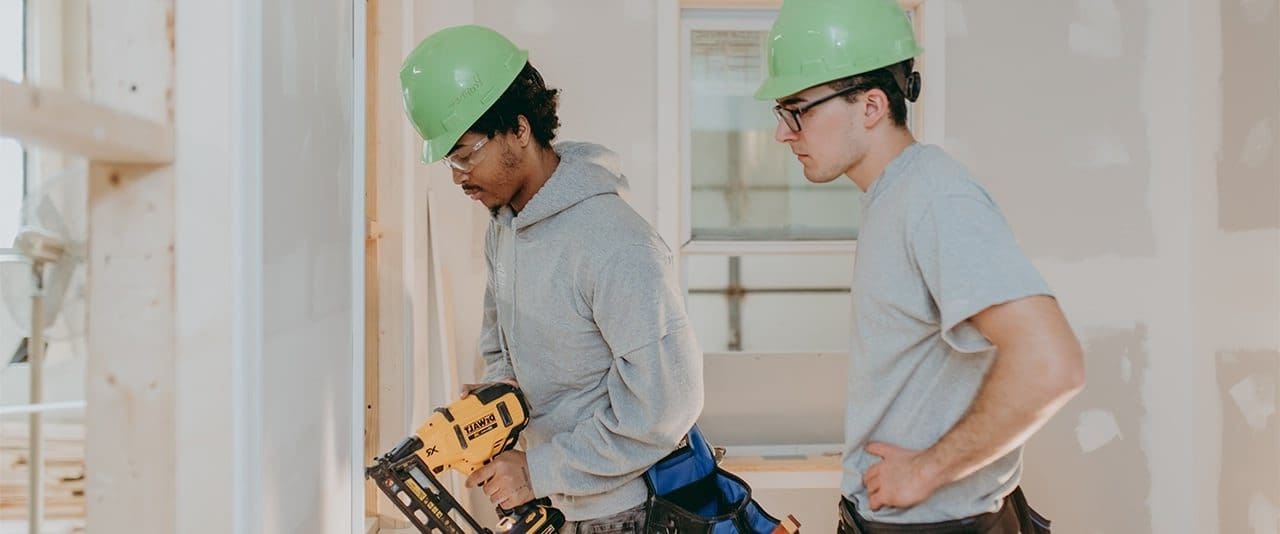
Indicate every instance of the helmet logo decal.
{"type": "Point", "coordinates": [470, 90]}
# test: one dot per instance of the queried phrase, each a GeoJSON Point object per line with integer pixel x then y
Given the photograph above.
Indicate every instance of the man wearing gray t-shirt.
{"type": "Point", "coordinates": [959, 350]}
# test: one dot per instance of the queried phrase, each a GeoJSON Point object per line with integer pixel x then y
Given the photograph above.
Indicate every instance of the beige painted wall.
{"type": "Point", "coordinates": [1133, 147]}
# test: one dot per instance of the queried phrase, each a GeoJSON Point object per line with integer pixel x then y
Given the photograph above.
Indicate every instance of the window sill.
{"type": "Point", "coordinates": [770, 247]}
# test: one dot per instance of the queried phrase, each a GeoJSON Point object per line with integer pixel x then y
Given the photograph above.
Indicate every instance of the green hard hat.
{"type": "Point", "coordinates": [452, 78]}
{"type": "Point", "coordinates": [817, 41]}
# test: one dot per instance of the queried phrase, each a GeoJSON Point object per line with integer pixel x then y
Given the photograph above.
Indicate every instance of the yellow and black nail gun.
{"type": "Point", "coordinates": [464, 436]}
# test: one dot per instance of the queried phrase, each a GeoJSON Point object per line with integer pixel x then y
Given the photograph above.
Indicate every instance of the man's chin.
{"type": "Point", "coordinates": [813, 176]}
{"type": "Point", "coordinates": [493, 207]}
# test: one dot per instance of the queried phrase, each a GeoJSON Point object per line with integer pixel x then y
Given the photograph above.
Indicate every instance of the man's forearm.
{"type": "Point", "coordinates": [1016, 399]}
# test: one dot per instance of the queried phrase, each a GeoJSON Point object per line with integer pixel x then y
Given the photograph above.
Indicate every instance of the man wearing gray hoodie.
{"type": "Point", "coordinates": [582, 308]}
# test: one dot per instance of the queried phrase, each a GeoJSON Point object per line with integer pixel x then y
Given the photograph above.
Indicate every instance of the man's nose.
{"type": "Point", "coordinates": [782, 133]}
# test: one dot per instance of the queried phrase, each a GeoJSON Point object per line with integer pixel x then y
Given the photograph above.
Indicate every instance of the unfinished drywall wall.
{"type": "Point", "coordinates": [1042, 104]}
{"type": "Point", "coordinates": [1091, 457]}
{"type": "Point", "coordinates": [601, 56]}
{"type": "Point", "coordinates": [307, 367]}
{"type": "Point", "coordinates": [1066, 151]}
{"type": "Point", "coordinates": [1154, 275]}
{"type": "Point", "coordinates": [1237, 265]}
{"type": "Point", "coordinates": [749, 402]}
{"type": "Point", "coordinates": [1249, 161]}
{"type": "Point", "coordinates": [1249, 489]}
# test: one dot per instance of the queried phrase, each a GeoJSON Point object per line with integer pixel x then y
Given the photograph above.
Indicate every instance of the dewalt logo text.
{"type": "Point", "coordinates": [479, 424]}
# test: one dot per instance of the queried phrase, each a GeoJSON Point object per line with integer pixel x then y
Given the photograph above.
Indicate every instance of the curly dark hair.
{"type": "Point", "coordinates": [895, 80]}
{"type": "Point", "coordinates": [529, 96]}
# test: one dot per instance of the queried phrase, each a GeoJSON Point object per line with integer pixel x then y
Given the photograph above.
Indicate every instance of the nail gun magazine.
{"type": "Point", "coordinates": [463, 436]}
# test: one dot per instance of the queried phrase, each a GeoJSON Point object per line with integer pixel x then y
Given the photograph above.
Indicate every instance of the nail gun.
{"type": "Point", "coordinates": [464, 436]}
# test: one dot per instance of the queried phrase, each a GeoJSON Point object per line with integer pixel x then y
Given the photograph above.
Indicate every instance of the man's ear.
{"type": "Point", "coordinates": [523, 133]}
{"type": "Point", "coordinates": [876, 109]}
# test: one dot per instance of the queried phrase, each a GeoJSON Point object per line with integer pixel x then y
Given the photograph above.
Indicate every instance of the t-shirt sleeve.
{"type": "Point", "coordinates": [970, 261]}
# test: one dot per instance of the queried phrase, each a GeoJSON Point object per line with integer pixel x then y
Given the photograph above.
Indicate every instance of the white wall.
{"type": "Point", "coordinates": [267, 365]}
{"type": "Point", "coordinates": [307, 192]}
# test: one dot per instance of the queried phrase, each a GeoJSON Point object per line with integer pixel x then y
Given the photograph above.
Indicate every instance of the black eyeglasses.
{"type": "Point", "coordinates": [791, 116]}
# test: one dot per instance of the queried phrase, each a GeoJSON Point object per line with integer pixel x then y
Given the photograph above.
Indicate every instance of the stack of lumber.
{"type": "Point", "coordinates": [63, 471]}
{"type": "Point", "coordinates": [48, 526]}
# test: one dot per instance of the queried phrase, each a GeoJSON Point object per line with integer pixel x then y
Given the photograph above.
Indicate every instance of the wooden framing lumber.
{"type": "Point", "coordinates": [372, 237]}
{"type": "Point", "coordinates": [130, 413]}
{"type": "Point", "coordinates": [64, 482]}
{"type": "Point", "coordinates": [805, 471]}
{"type": "Point", "coordinates": [66, 123]}
{"type": "Point", "coordinates": [811, 462]}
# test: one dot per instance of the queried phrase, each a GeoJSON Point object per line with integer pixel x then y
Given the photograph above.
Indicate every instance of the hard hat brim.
{"type": "Point", "coordinates": [776, 87]}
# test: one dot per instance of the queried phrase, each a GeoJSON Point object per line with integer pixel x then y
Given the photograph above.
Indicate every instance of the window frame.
{"type": "Point", "coordinates": [697, 19]}
{"type": "Point", "coordinates": [677, 20]}
{"type": "Point", "coordinates": [758, 15]}
{"type": "Point", "coordinates": [56, 57]}
{"type": "Point", "coordinates": [25, 50]}
{"type": "Point", "coordinates": [27, 53]}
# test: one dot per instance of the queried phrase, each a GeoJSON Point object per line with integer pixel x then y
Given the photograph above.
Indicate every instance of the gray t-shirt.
{"type": "Point", "coordinates": [933, 251]}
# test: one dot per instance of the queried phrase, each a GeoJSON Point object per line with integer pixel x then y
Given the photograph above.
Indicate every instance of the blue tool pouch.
{"type": "Point", "coordinates": [690, 494]}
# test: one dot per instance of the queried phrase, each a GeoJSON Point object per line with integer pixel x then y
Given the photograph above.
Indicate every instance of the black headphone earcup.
{"type": "Point", "coordinates": [913, 86]}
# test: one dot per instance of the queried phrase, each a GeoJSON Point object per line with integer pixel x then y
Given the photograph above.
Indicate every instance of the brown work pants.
{"type": "Point", "coordinates": [1014, 517]}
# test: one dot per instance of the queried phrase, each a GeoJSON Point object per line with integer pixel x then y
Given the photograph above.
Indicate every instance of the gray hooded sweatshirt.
{"type": "Point", "coordinates": [595, 333]}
